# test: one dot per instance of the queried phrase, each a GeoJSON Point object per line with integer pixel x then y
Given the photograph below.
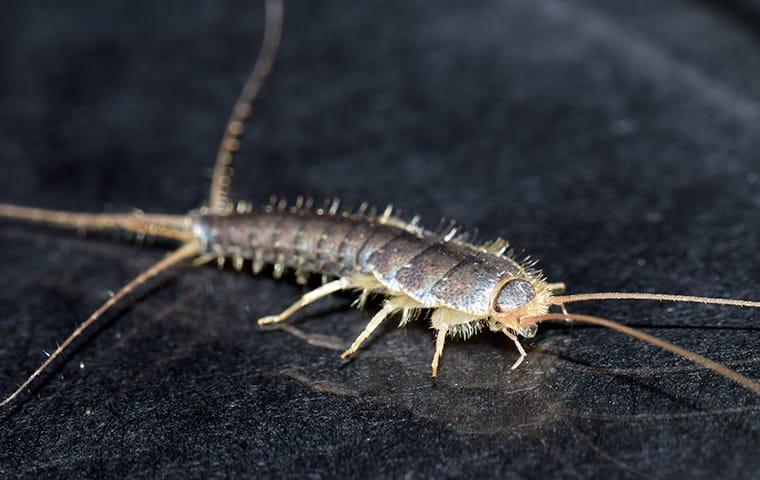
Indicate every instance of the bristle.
{"type": "Point", "coordinates": [334, 206]}
{"type": "Point", "coordinates": [279, 266]}
{"type": "Point", "coordinates": [361, 300]}
{"type": "Point", "coordinates": [257, 266]}
{"type": "Point", "coordinates": [302, 277]}
{"type": "Point", "coordinates": [244, 207]}
{"type": "Point", "coordinates": [408, 315]}
{"type": "Point", "coordinates": [467, 329]}
{"type": "Point", "coordinates": [258, 263]}
{"type": "Point", "coordinates": [450, 235]}
{"type": "Point", "coordinates": [445, 226]}
{"type": "Point", "coordinates": [387, 214]}
{"type": "Point", "coordinates": [497, 247]}
{"type": "Point", "coordinates": [466, 237]}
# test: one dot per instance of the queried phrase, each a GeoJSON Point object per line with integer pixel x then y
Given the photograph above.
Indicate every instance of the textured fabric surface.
{"type": "Point", "coordinates": [615, 141]}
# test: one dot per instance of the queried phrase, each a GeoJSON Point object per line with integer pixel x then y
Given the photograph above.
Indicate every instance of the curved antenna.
{"type": "Point", "coordinates": [660, 297]}
{"type": "Point", "coordinates": [186, 251]}
{"type": "Point", "coordinates": [223, 169]}
{"type": "Point", "coordinates": [687, 354]}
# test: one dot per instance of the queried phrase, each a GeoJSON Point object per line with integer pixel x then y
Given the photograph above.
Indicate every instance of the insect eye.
{"type": "Point", "coordinates": [513, 295]}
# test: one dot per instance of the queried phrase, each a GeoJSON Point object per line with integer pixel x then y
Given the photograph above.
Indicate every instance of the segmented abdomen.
{"type": "Point", "coordinates": [404, 259]}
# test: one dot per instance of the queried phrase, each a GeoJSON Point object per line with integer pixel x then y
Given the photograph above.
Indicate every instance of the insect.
{"type": "Point", "coordinates": [465, 287]}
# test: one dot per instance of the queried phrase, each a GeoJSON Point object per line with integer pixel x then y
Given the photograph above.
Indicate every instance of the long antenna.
{"type": "Point", "coordinates": [687, 354]}
{"type": "Point", "coordinates": [661, 297]}
{"type": "Point", "coordinates": [186, 251]}
{"type": "Point", "coordinates": [223, 169]}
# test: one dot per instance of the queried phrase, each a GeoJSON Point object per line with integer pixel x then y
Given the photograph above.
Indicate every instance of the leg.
{"type": "Point", "coordinates": [440, 339]}
{"type": "Point", "coordinates": [387, 309]}
{"type": "Point", "coordinates": [311, 297]}
{"type": "Point", "coordinates": [558, 287]}
{"type": "Point", "coordinates": [519, 348]}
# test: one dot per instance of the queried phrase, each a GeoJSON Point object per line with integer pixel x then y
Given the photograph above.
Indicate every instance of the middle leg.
{"type": "Point", "coordinates": [440, 340]}
{"type": "Point", "coordinates": [384, 313]}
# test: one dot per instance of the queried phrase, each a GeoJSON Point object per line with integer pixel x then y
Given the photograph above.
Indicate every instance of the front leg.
{"type": "Point", "coordinates": [519, 346]}
{"type": "Point", "coordinates": [445, 321]}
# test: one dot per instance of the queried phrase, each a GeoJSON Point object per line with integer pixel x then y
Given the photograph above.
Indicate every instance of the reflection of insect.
{"type": "Point", "coordinates": [467, 287]}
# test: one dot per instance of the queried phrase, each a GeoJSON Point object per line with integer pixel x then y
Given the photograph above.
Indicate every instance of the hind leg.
{"type": "Point", "coordinates": [324, 291]}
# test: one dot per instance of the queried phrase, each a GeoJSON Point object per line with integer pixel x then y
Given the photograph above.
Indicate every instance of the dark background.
{"type": "Point", "coordinates": [615, 141]}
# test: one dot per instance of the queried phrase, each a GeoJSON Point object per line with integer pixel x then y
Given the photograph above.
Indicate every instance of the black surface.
{"type": "Point", "coordinates": [615, 141]}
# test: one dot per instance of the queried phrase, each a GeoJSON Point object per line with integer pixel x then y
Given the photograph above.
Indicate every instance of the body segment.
{"type": "Point", "coordinates": [416, 263]}
{"type": "Point", "coordinates": [465, 286]}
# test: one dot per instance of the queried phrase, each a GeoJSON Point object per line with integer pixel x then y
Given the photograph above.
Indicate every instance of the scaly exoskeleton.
{"type": "Point", "coordinates": [465, 286]}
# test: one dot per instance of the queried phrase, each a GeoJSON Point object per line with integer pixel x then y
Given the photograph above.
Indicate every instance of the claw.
{"type": "Point", "coordinates": [518, 362]}
{"type": "Point", "coordinates": [269, 320]}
